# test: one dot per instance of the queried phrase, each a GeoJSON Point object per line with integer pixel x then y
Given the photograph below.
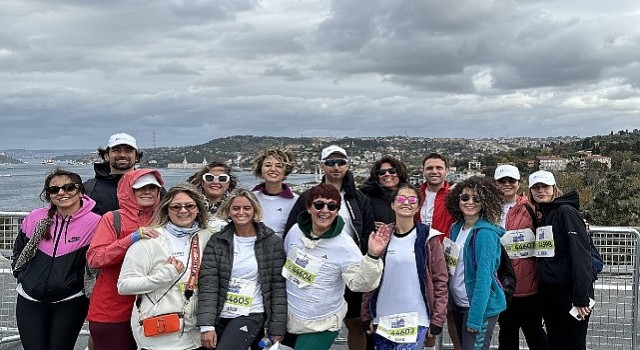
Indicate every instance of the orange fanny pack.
{"type": "Point", "coordinates": [161, 324]}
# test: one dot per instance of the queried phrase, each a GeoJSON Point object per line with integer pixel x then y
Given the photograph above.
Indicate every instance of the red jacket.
{"type": "Point", "coordinates": [107, 253]}
{"type": "Point", "coordinates": [442, 220]}
{"type": "Point", "coordinates": [526, 271]}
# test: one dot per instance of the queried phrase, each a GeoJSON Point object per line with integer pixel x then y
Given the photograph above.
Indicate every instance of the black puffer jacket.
{"type": "Point", "coordinates": [215, 273]}
{"type": "Point", "coordinates": [380, 199]}
{"type": "Point", "coordinates": [103, 189]}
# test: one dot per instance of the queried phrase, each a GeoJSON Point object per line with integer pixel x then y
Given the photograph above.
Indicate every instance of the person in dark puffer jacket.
{"type": "Point", "coordinates": [241, 283]}
{"type": "Point", "coordinates": [385, 176]}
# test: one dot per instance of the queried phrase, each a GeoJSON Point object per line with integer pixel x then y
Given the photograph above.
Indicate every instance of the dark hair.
{"type": "Point", "coordinates": [196, 179]}
{"type": "Point", "coordinates": [323, 191]}
{"type": "Point", "coordinates": [434, 155]}
{"type": "Point", "coordinates": [104, 152]}
{"type": "Point", "coordinates": [403, 176]}
{"type": "Point", "coordinates": [411, 187]}
{"type": "Point", "coordinates": [46, 197]}
{"type": "Point", "coordinates": [486, 191]}
{"type": "Point", "coordinates": [282, 154]}
{"type": "Point", "coordinates": [161, 214]}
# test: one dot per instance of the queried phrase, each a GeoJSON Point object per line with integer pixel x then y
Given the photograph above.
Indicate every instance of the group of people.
{"type": "Point", "coordinates": [210, 265]}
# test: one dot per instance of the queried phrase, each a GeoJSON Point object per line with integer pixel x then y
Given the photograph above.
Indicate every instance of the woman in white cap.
{"type": "Point", "coordinates": [523, 310]}
{"type": "Point", "coordinates": [565, 275]}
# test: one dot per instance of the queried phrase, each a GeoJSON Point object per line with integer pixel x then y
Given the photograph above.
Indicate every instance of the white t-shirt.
{"type": "Point", "coordinates": [344, 213]}
{"type": "Point", "coordinates": [426, 211]}
{"type": "Point", "coordinates": [400, 288]}
{"type": "Point", "coordinates": [456, 282]}
{"type": "Point", "coordinates": [505, 211]}
{"type": "Point", "coordinates": [180, 247]}
{"type": "Point", "coordinates": [245, 266]}
{"type": "Point", "coordinates": [275, 210]}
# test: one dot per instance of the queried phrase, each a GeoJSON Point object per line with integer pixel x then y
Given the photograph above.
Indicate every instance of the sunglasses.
{"type": "Point", "coordinates": [391, 171]}
{"type": "Point", "coordinates": [332, 206]}
{"type": "Point", "coordinates": [465, 198]}
{"type": "Point", "coordinates": [506, 180]}
{"type": "Point", "coordinates": [67, 188]}
{"type": "Point", "coordinates": [178, 207]}
{"type": "Point", "coordinates": [332, 162]}
{"type": "Point", "coordinates": [409, 199]}
{"type": "Point", "coordinates": [222, 178]}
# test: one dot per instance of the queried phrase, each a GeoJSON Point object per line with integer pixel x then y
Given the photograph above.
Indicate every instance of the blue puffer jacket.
{"type": "Point", "coordinates": [486, 297]}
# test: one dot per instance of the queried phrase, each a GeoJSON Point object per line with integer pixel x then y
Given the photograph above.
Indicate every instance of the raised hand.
{"type": "Point", "coordinates": [378, 240]}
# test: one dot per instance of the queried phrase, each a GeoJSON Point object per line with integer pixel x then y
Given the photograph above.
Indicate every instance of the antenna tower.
{"type": "Point", "coordinates": [153, 139]}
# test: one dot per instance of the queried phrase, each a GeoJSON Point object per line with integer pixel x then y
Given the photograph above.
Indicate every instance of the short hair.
{"type": "Point", "coordinates": [161, 215]}
{"type": "Point", "coordinates": [408, 186]}
{"type": "Point", "coordinates": [486, 191]}
{"type": "Point", "coordinates": [196, 179]}
{"type": "Point", "coordinates": [434, 155]}
{"type": "Point", "coordinates": [282, 154]}
{"type": "Point", "coordinates": [323, 190]}
{"type": "Point", "coordinates": [403, 175]}
{"type": "Point", "coordinates": [225, 207]}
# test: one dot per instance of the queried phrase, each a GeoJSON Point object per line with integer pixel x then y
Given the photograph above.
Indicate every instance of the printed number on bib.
{"type": "Point", "coordinates": [399, 328]}
{"type": "Point", "coordinates": [301, 268]}
{"type": "Point", "coordinates": [519, 243]}
{"type": "Point", "coordinates": [545, 246]}
{"type": "Point", "coordinates": [239, 296]}
{"type": "Point", "coordinates": [451, 254]}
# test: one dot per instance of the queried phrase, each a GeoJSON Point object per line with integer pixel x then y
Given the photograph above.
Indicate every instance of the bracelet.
{"type": "Point", "coordinates": [141, 232]}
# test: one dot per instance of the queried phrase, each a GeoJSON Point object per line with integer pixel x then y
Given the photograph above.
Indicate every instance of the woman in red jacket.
{"type": "Point", "coordinates": [109, 312]}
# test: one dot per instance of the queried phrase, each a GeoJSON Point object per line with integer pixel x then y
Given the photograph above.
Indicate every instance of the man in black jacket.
{"type": "Point", "coordinates": [358, 217]}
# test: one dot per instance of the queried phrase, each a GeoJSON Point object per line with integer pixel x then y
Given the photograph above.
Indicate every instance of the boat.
{"type": "Point", "coordinates": [48, 161]}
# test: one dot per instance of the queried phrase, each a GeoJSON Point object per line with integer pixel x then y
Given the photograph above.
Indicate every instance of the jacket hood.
{"type": "Point", "coordinates": [103, 171]}
{"type": "Point", "coordinates": [572, 198]}
{"type": "Point", "coordinates": [372, 188]}
{"type": "Point", "coordinates": [126, 198]}
{"type": "Point", "coordinates": [483, 223]}
{"type": "Point", "coordinates": [87, 206]}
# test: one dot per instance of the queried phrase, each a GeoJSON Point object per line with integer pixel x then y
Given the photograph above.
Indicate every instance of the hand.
{"type": "Point", "coordinates": [148, 232]}
{"type": "Point", "coordinates": [378, 240]}
{"type": "Point", "coordinates": [177, 264]}
{"type": "Point", "coordinates": [583, 311]}
{"type": "Point", "coordinates": [276, 338]}
{"type": "Point", "coordinates": [209, 339]}
{"type": "Point", "coordinates": [367, 326]}
{"type": "Point", "coordinates": [471, 330]}
{"type": "Point", "coordinates": [378, 224]}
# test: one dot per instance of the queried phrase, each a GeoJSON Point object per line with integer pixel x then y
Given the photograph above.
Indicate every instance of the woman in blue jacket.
{"type": "Point", "coordinates": [473, 257]}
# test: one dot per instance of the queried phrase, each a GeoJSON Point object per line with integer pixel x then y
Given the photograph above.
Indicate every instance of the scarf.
{"type": "Point", "coordinates": [213, 207]}
{"type": "Point", "coordinates": [29, 250]}
{"type": "Point", "coordinates": [182, 231]}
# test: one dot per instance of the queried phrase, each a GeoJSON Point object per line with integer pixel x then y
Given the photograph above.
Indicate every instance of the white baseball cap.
{"type": "Point", "coordinates": [542, 176]}
{"type": "Point", "coordinates": [506, 171]}
{"type": "Point", "coordinates": [326, 152]}
{"type": "Point", "coordinates": [146, 179]}
{"type": "Point", "coordinates": [122, 139]}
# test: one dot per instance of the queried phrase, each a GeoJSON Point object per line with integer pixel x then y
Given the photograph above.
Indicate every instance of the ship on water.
{"type": "Point", "coordinates": [48, 161]}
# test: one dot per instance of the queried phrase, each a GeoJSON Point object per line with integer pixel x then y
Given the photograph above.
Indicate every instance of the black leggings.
{"type": "Point", "coordinates": [238, 333]}
{"type": "Point", "coordinates": [50, 326]}
{"type": "Point", "coordinates": [522, 312]}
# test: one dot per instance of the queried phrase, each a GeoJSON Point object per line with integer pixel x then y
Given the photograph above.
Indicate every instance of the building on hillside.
{"type": "Point", "coordinates": [551, 163]}
{"type": "Point", "coordinates": [595, 158]}
{"type": "Point", "coordinates": [187, 165]}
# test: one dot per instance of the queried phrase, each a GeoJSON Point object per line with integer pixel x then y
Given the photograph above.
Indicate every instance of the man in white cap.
{"type": "Point", "coordinates": [358, 218]}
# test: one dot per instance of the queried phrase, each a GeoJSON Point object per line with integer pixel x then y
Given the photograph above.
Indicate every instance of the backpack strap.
{"type": "Point", "coordinates": [89, 186]}
{"type": "Point", "coordinates": [534, 217]}
{"type": "Point", "coordinates": [117, 222]}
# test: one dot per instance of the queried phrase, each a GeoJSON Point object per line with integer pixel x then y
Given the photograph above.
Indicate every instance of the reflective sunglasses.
{"type": "Point", "coordinates": [222, 178]}
{"type": "Point", "coordinates": [332, 206]}
{"type": "Point", "coordinates": [178, 207]}
{"type": "Point", "coordinates": [67, 188]}
{"type": "Point", "coordinates": [410, 199]}
{"type": "Point", "coordinates": [465, 198]}
{"type": "Point", "coordinates": [391, 171]}
{"type": "Point", "coordinates": [505, 180]}
{"type": "Point", "coordinates": [332, 162]}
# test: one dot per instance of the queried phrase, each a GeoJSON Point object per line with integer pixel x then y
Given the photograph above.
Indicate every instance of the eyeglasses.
{"type": "Point", "coordinates": [222, 178]}
{"type": "Point", "coordinates": [391, 171]}
{"type": "Point", "coordinates": [178, 207]}
{"type": "Point", "coordinates": [410, 199]}
{"type": "Point", "coordinates": [332, 206]}
{"type": "Point", "coordinates": [465, 198]}
{"type": "Point", "coordinates": [505, 180]}
{"type": "Point", "coordinates": [67, 188]}
{"type": "Point", "coordinates": [332, 162]}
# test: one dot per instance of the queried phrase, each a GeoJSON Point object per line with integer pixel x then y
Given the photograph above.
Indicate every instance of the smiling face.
{"type": "Point", "coordinates": [121, 158]}
{"type": "Point", "coordinates": [273, 170]}
{"type": "Point", "coordinates": [509, 187]}
{"type": "Point", "coordinates": [434, 171]}
{"type": "Point", "coordinates": [65, 202]}
{"type": "Point", "coordinates": [471, 207]}
{"type": "Point", "coordinates": [402, 206]}
{"type": "Point", "coordinates": [147, 196]}
{"type": "Point", "coordinates": [542, 193]}
{"type": "Point", "coordinates": [388, 180]}
{"type": "Point", "coordinates": [321, 219]}
{"type": "Point", "coordinates": [335, 172]}
{"type": "Point", "coordinates": [214, 190]}
{"type": "Point", "coordinates": [241, 212]}
{"type": "Point", "coordinates": [183, 210]}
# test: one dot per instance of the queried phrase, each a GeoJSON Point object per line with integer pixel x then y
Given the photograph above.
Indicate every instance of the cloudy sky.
{"type": "Point", "coordinates": [74, 71]}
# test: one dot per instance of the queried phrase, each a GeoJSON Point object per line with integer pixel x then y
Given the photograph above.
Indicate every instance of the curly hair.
{"type": "Point", "coordinates": [396, 163]}
{"type": "Point", "coordinates": [196, 179]}
{"type": "Point", "coordinates": [322, 191]}
{"type": "Point", "coordinates": [284, 155]}
{"type": "Point", "coordinates": [225, 208]}
{"type": "Point", "coordinates": [486, 191]}
{"type": "Point", "coordinates": [161, 215]}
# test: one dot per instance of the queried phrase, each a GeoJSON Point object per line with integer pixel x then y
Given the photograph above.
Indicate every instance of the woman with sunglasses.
{"type": "Point", "coordinates": [109, 311]}
{"type": "Point", "coordinates": [49, 262]}
{"type": "Point", "coordinates": [565, 278]}
{"type": "Point", "coordinates": [321, 259]}
{"type": "Point", "coordinates": [241, 285]}
{"type": "Point", "coordinates": [215, 181]}
{"type": "Point", "coordinates": [523, 310]}
{"type": "Point", "coordinates": [162, 273]}
{"type": "Point", "coordinates": [273, 165]}
{"type": "Point", "coordinates": [385, 176]}
{"type": "Point", "coordinates": [411, 301]}
{"type": "Point", "coordinates": [473, 256]}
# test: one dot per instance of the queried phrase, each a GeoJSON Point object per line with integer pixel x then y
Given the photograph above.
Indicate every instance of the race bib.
{"type": "Point", "coordinates": [519, 243]}
{"type": "Point", "coordinates": [239, 296]}
{"type": "Point", "coordinates": [301, 268]}
{"type": "Point", "coordinates": [451, 254]}
{"type": "Point", "coordinates": [399, 328]}
{"type": "Point", "coordinates": [545, 246]}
